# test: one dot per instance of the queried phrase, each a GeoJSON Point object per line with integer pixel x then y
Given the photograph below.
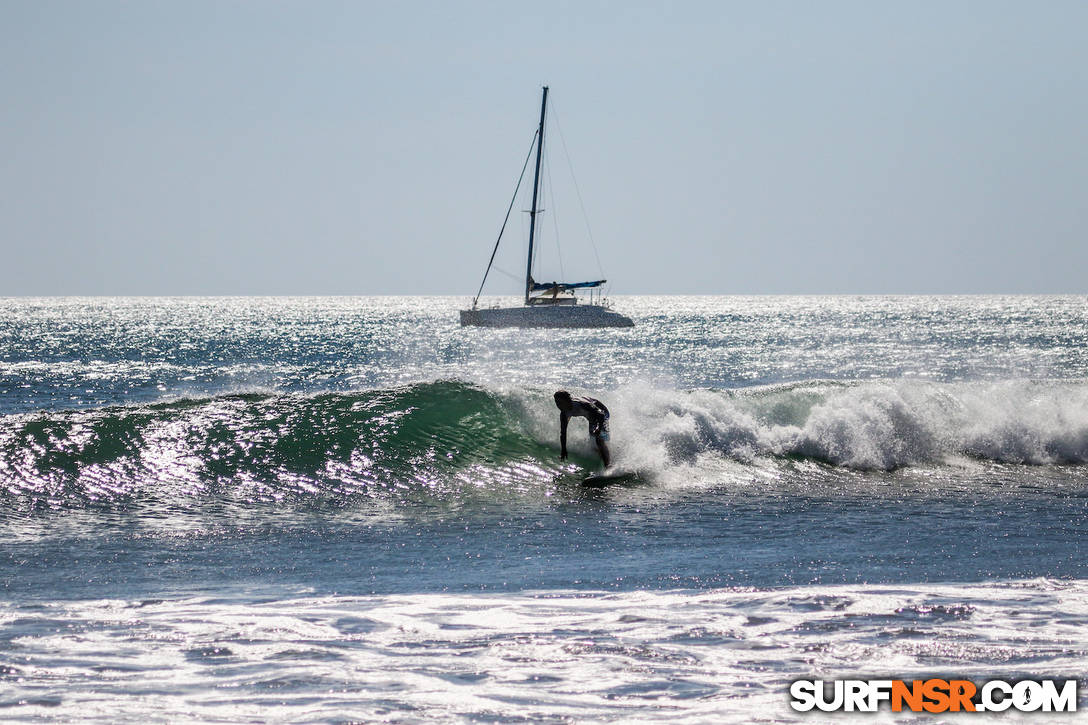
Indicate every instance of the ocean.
{"type": "Point", "coordinates": [353, 510]}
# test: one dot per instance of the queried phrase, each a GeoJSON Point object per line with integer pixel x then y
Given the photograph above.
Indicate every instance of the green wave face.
{"type": "Point", "coordinates": [426, 437]}
{"type": "Point", "coordinates": [450, 439]}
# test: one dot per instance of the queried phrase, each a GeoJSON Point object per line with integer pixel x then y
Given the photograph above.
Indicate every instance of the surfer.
{"type": "Point", "coordinates": [592, 410]}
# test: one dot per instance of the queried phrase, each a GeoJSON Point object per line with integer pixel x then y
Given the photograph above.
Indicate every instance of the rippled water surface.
{"type": "Point", "coordinates": [336, 509]}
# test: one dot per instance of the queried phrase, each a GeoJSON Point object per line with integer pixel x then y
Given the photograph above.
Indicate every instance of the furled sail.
{"type": "Point", "coordinates": [563, 286]}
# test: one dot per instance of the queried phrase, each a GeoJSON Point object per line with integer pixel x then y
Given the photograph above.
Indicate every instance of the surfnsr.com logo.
{"type": "Point", "coordinates": [934, 695]}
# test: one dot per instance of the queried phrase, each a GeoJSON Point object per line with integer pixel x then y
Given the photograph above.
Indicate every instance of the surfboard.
{"type": "Point", "coordinates": [608, 478]}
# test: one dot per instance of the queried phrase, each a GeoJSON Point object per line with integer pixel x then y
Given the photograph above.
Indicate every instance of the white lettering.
{"type": "Point", "coordinates": [879, 691]}
{"type": "Point", "coordinates": [1027, 696]}
{"type": "Point", "coordinates": [1065, 701]}
{"type": "Point", "coordinates": [993, 696]}
{"type": "Point", "coordinates": [988, 701]}
{"type": "Point", "coordinates": [821, 696]}
{"type": "Point", "coordinates": [855, 697]}
{"type": "Point", "coordinates": [804, 695]}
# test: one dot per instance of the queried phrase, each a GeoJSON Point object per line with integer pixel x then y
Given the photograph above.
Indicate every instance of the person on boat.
{"type": "Point", "coordinates": [592, 410]}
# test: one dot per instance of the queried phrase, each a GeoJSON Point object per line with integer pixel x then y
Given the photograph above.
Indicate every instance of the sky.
{"type": "Point", "coordinates": [358, 148]}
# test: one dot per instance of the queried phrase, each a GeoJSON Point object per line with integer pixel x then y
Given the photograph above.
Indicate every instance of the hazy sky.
{"type": "Point", "coordinates": [197, 147]}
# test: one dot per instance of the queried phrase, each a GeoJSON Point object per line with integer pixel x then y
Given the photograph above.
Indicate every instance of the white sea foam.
{"type": "Point", "coordinates": [723, 656]}
{"type": "Point", "coordinates": [879, 425]}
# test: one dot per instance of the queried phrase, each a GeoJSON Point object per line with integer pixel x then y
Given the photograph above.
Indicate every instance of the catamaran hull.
{"type": "Point", "coordinates": [548, 309]}
{"type": "Point", "coordinates": [540, 316]}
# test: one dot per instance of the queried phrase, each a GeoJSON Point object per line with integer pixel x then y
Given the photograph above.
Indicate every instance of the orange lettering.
{"type": "Point", "coordinates": [911, 695]}
{"type": "Point", "coordinates": [961, 692]}
{"type": "Point", "coordinates": [937, 692]}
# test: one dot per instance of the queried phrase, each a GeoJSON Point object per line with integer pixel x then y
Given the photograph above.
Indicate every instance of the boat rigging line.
{"type": "Point", "coordinates": [555, 215]}
{"type": "Point", "coordinates": [577, 191]}
{"type": "Point", "coordinates": [507, 218]}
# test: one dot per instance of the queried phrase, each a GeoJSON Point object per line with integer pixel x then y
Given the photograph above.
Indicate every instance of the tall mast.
{"type": "Point", "coordinates": [536, 189]}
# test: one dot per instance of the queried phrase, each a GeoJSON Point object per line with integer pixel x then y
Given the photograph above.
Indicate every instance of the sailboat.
{"type": "Point", "coordinates": [547, 304]}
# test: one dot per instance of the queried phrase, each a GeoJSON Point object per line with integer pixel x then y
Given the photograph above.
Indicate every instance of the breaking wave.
{"type": "Point", "coordinates": [448, 435]}
{"type": "Point", "coordinates": [874, 425]}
